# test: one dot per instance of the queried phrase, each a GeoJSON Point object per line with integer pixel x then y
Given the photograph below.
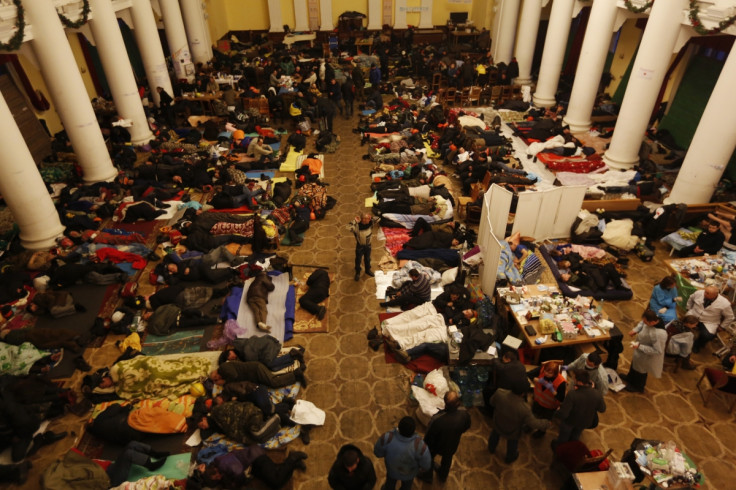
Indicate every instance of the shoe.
{"type": "Point", "coordinates": [158, 454]}
{"type": "Point", "coordinates": [321, 313]}
{"type": "Point", "coordinates": [401, 355]}
{"type": "Point", "coordinates": [357, 276]}
{"type": "Point", "coordinates": [263, 327]}
{"type": "Point", "coordinates": [81, 364]}
{"type": "Point", "coordinates": [631, 389]}
{"type": "Point", "coordinates": [373, 333]}
{"type": "Point", "coordinates": [299, 356]}
{"type": "Point", "coordinates": [304, 435]}
{"type": "Point", "coordinates": [299, 376]}
{"type": "Point", "coordinates": [383, 304]}
{"type": "Point", "coordinates": [375, 344]}
{"type": "Point", "coordinates": [370, 273]}
{"type": "Point", "coordinates": [687, 364]}
{"type": "Point", "coordinates": [151, 465]}
{"type": "Point", "coordinates": [511, 459]}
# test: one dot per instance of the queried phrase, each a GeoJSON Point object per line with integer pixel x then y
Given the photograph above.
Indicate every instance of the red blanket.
{"type": "Point", "coordinates": [395, 239]}
{"type": "Point", "coordinates": [117, 256]}
{"type": "Point", "coordinates": [580, 165]}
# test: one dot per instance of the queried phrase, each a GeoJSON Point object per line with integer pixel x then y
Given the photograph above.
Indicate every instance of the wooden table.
{"type": "Point", "coordinates": [456, 37]}
{"type": "Point", "coordinates": [545, 290]}
{"type": "Point", "coordinates": [724, 280]}
{"type": "Point", "coordinates": [204, 99]}
{"type": "Point", "coordinates": [292, 38]}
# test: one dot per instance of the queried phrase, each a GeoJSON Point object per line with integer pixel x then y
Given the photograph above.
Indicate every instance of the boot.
{"type": "Point", "coordinates": [154, 465]}
{"type": "Point", "coordinates": [686, 363]}
{"type": "Point", "coordinates": [299, 375]}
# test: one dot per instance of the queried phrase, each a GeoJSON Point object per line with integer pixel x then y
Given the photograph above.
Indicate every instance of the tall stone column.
{"type": "Point", "coordinates": [196, 29]}
{"type": "Point", "coordinates": [176, 37]}
{"type": "Point", "coordinates": [375, 15]}
{"type": "Point", "coordinates": [555, 43]}
{"type": "Point", "coordinates": [647, 75]}
{"type": "Point", "coordinates": [62, 77]}
{"type": "Point", "coordinates": [425, 16]}
{"type": "Point", "coordinates": [149, 45]}
{"type": "Point", "coordinates": [713, 143]}
{"type": "Point", "coordinates": [274, 16]}
{"type": "Point", "coordinates": [23, 189]}
{"type": "Point", "coordinates": [526, 39]}
{"type": "Point", "coordinates": [400, 14]}
{"type": "Point", "coordinates": [119, 74]}
{"type": "Point", "coordinates": [503, 45]}
{"type": "Point", "coordinates": [590, 66]}
{"type": "Point", "coordinates": [301, 16]}
{"type": "Point", "coordinates": [325, 15]}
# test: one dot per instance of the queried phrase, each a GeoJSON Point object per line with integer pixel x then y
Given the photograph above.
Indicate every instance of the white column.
{"type": "Point", "coordinates": [503, 45]}
{"type": "Point", "coordinates": [301, 16]}
{"type": "Point", "coordinates": [196, 29]}
{"type": "Point", "coordinates": [62, 77]}
{"type": "Point", "coordinates": [526, 39]}
{"type": "Point", "coordinates": [118, 72]}
{"type": "Point", "coordinates": [713, 143]}
{"type": "Point", "coordinates": [275, 17]}
{"type": "Point", "coordinates": [23, 189]}
{"type": "Point", "coordinates": [590, 66]}
{"type": "Point", "coordinates": [176, 37]}
{"type": "Point", "coordinates": [425, 16]}
{"type": "Point", "coordinates": [555, 43]}
{"type": "Point", "coordinates": [375, 15]}
{"type": "Point", "coordinates": [149, 45]}
{"type": "Point", "coordinates": [647, 75]}
{"type": "Point", "coordinates": [400, 14]}
{"type": "Point", "coordinates": [325, 15]}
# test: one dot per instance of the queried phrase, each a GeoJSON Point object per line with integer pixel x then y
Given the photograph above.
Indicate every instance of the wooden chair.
{"type": "Point", "coordinates": [436, 80]}
{"type": "Point", "coordinates": [719, 381]}
{"type": "Point", "coordinates": [464, 94]}
{"type": "Point", "coordinates": [450, 97]}
{"type": "Point", "coordinates": [496, 94]}
{"type": "Point", "coordinates": [516, 92]}
{"type": "Point", "coordinates": [474, 96]}
{"type": "Point", "coordinates": [505, 93]}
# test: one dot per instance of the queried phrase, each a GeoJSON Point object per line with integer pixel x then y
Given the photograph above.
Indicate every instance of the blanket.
{"type": "Point", "coordinates": [417, 326]}
{"type": "Point", "coordinates": [158, 377]}
{"type": "Point", "coordinates": [278, 314]}
{"type": "Point", "coordinates": [395, 239]}
{"type": "Point", "coordinates": [581, 164]}
{"type": "Point", "coordinates": [506, 268]}
{"type": "Point", "coordinates": [17, 360]}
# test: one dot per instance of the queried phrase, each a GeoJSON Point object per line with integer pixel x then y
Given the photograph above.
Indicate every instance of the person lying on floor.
{"type": "Point", "coordinates": [237, 468]}
{"type": "Point", "coordinates": [26, 359]}
{"type": "Point", "coordinates": [204, 268]}
{"type": "Point", "coordinates": [256, 372]}
{"type": "Point", "coordinates": [46, 338]}
{"type": "Point", "coordinates": [181, 295]}
{"type": "Point", "coordinates": [167, 319]}
{"type": "Point", "coordinates": [593, 277]}
{"type": "Point", "coordinates": [56, 304]}
{"type": "Point", "coordinates": [264, 349]}
{"type": "Point", "coordinates": [240, 421]}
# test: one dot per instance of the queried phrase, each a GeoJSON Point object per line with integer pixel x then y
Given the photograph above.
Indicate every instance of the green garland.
{"type": "Point", "coordinates": [698, 25]}
{"type": "Point", "coordinates": [638, 10]}
{"type": "Point", "coordinates": [16, 40]}
{"type": "Point", "coordinates": [82, 20]}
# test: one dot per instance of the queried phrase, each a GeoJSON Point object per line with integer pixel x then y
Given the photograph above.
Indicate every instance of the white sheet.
{"type": "Point", "coordinates": [417, 326]}
{"type": "Point", "coordinates": [276, 310]}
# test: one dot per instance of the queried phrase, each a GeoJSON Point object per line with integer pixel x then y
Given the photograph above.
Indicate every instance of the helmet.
{"type": "Point", "coordinates": [238, 134]}
{"type": "Point", "coordinates": [197, 390]}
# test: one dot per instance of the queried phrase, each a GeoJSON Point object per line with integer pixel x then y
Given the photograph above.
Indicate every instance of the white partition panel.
{"type": "Point", "coordinates": [489, 269]}
{"type": "Point", "coordinates": [527, 209]}
{"type": "Point", "coordinates": [498, 201]}
{"type": "Point", "coordinates": [547, 213]}
{"type": "Point", "coordinates": [570, 204]}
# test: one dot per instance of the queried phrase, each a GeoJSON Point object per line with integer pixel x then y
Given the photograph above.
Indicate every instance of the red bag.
{"type": "Point", "coordinates": [153, 278]}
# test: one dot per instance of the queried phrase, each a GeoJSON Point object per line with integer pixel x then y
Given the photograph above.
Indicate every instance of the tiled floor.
{"type": "Point", "coordinates": [363, 396]}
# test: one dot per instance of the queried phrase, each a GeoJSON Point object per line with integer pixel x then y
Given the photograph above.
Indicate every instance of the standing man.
{"type": "Point", "coordinates": [351, 470]}
{"type": "Point", "coordinates": [405, 454]}
{"type": "Point", "coordinates": [374, 76]}
{"type": "Point", "coordinates": [362, 228]}
{"type": "Point", "coordinates": [334, 89]}
{"type": "Point", "coordinates": [443, 434]}
{"type": "Point", "coordinates": [511, 415]}
{"type": "Point", "coordinates": [507, 373]}
{"type": "Point", "coordinates": [580, 409]}
{"type": "Point", "coordinates": [164, 105]}
{"type": "Point", "coordinates": [712, 311]}
{"type": "Point", "coordinates": [348, 95]}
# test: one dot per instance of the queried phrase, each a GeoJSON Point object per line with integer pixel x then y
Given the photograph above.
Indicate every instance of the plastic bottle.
{"type": "Point", "coordinates": [136, 322]}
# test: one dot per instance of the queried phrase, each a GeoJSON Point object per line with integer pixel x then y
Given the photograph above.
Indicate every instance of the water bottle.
{"type": "Point", "coordinates": [136, 322]}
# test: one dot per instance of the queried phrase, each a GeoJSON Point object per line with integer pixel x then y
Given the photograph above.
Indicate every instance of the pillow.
{"type": "Point", "coordinates": [449, 276]}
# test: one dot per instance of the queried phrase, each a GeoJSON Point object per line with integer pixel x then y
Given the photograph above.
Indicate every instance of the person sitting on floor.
{"type": "Point", "coordinates": [709, 241]}
{"type": "Point", "coordinates": [412, 293]}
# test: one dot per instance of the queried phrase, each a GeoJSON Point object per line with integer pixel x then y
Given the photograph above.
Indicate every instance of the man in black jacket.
{"type": "Point", "coordinates": [351, 470]}
{"type": "Point", "coordinates": [507, 373]}
{"type": "Point", "coordinates": [444, 432]}
{"type": "Point", "coordinates": [318, 290]}
{"type": "Point", "coordinates": [580, 409]}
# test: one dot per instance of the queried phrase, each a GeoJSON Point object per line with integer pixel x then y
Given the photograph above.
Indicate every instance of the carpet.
{"type": "Point", "coordinates": [184, 341]}
{"type": "Point", "coordinates": [91, 297]}
{"type": "Point", "coordinates": [305, 322]}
